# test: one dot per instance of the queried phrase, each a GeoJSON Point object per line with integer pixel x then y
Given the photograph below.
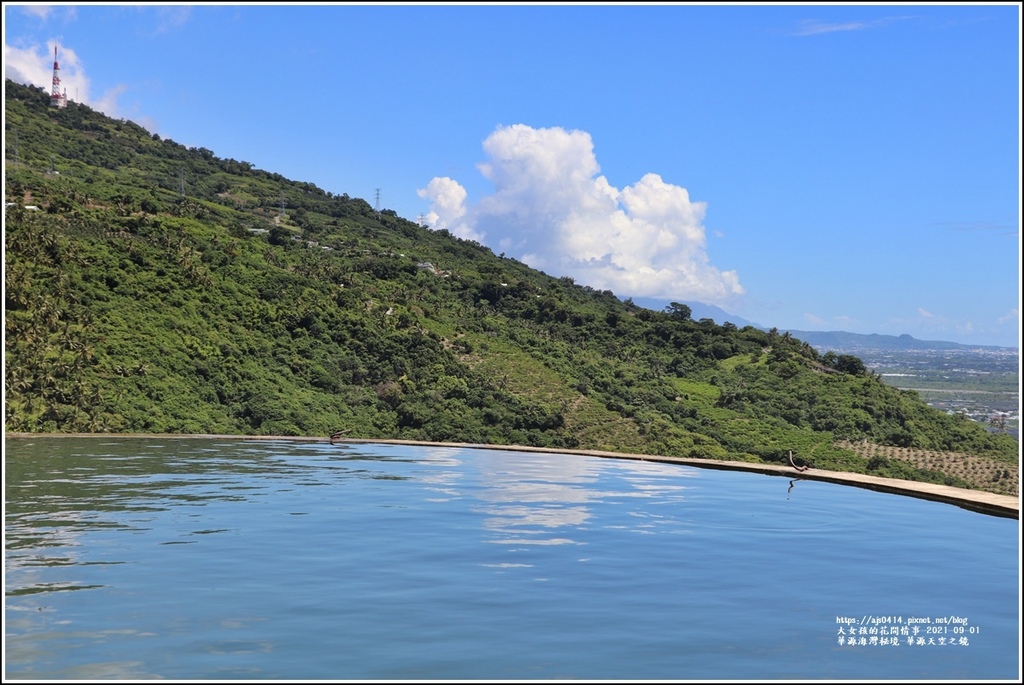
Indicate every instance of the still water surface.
{"type": "Point", "coordinates": [236, 559]}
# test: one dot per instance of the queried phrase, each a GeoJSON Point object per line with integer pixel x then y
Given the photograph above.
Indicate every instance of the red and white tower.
{"type": "Point", "coordinates": [57, 99]}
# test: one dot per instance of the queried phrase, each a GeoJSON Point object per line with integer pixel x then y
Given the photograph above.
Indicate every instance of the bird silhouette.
{"type": "Point", "coordinates": [793, 463]}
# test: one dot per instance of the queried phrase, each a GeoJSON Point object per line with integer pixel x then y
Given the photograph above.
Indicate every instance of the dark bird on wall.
{"type": "Point", "coordinates": [793, 463]}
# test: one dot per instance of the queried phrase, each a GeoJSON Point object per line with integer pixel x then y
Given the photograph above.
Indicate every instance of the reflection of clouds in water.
{"type": "Point", "coordinates": [26, 649]}
{"type": "Point", "coordinates": [238, 647]}
{"type": "Point", "coordinates": [541, 468]}
{"type": "Point", "coordinates": [452, 494]}
{"type": "Point", "coordinates": [658, 489]}
{"type": "Point", "coordinates": [443, 481]}
{"type": "Point", "coordinates": [549, 517]}
{"type": "Point", "coordinates": [646, 527]}
{"type": "Point", "coordinates": [522, 541]}
{"type": "Point", "coordinates": [61, 532]}
{"type": "Point", "coordinates": [111, 670]}
{"type": "Point", "coordinates": [527, 489]}
{"type": "Point", "coordinates": [522, 491]}
{"type": "Point", "coordinates": [240, 622]}
{"type": "Point", "coordinates": [531, 490]}
{"type": "Point", "coordinates": [29, 555]}
{"type": "Point", "coordinates": [445, 456]}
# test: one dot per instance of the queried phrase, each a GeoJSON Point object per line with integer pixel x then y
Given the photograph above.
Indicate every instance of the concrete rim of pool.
{"type": "Point", "coordinates": [974, 500]}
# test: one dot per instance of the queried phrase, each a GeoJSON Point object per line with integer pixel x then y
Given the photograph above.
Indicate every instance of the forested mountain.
{"type": "Point", "coordinates": [156, 288]}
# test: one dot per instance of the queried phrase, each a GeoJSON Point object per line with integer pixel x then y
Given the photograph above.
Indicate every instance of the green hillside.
{"type": "Point", "coordinates": [155, 288]}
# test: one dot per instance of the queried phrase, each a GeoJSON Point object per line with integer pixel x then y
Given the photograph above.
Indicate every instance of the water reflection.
{"type": "Point", "coordinates": [530, 496]}
{"type": "Point", "coordinates": [63, 489]}
{"type": "Point", "coordinates": [270, 559]}
{"type": "Point", "coordinates": [442, 479]}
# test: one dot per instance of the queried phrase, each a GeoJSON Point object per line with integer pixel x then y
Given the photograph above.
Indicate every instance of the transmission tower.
{"type": "Point", "coordinates": [56, 98]}
{"type": "Point", "coordinates": [376, 205]}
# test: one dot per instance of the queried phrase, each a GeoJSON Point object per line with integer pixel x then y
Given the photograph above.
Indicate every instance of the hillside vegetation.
{"type": "Point", "coordinates": [156, 288]}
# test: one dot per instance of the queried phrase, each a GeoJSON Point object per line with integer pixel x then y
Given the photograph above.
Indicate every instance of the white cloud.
{"type": "Point", "coordinates": [814, 27]}
{"type": "Point", "coordinates": [924, 313]}
{"type": "Point", "coordinates": [1010, 316]}
{"type": "Point", "coordinates": [844, 322]}
{"type": "Point", "coordinates": [811, 27]}
{"type": "Point", "coordinates": [24, 65]}
{"type": "Point", "coordinates": [447, 207]}
{"type": "Point", "coordinates": [813, 320]}
{"type": "Point", "coordinates": [552, 211]}
{"type": "Point", "coordinates": [33, 66]}
{"type": "Point", "coordinates": [64, 13]}
{"type": "Point", "coordinates": [170, 19]}
{"type": "Point", "coordinates": [108, 102]}
{"type": "Point", "coordinates": [38, 11]}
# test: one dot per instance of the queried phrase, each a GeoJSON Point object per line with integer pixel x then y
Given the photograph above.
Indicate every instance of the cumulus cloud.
{"type": "Point", "coordinates": [23, 65]}
{"type": "Point", "coordinates": [551, 210]}
{"type": "Point", "coordinates": [447, 207]}
{"type": "Point", "coordinates": [33, 66]}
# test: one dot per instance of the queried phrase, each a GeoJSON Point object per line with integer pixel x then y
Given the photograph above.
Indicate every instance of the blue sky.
{"type": "Point", "coordinates": [808, 167]}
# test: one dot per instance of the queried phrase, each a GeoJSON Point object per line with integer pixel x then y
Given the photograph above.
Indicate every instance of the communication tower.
{"type": "Point", "coordinates": [57, 98]}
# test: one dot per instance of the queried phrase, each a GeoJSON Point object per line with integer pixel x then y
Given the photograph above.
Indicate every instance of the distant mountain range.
{"type": "Point", "coordinates": [821, 340]}
{"type": "Point", "coordinates": [841, 340]}
{"type": "Point", "coordinates": [699, 311]}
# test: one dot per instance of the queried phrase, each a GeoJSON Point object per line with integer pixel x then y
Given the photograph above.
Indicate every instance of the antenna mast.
{"type": "Point", "coordinates": [56, 98]}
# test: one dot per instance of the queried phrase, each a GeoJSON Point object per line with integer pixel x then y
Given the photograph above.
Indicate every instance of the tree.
{"type": "Point", "coordinates": [679, 311]}
{"type": "Point", "coordinates": [279, 236]}
{"type": "Point", "coordinates": [847, 363]}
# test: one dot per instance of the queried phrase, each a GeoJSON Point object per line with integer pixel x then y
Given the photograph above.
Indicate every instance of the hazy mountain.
{"type": "Point", "coordinates": [841, 340]}
{"type": "Point", "coordinates": [699, 311]}
{"type": "Point", "coordinates": [821, 340]}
